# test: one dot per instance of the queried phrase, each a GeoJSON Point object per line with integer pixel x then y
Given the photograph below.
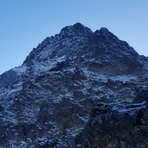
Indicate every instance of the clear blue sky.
{"type": "Point", "coordinates": [25, 23]}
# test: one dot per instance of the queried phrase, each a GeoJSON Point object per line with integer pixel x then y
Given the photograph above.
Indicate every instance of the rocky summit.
{"type": "Point", "coordinates": [77, 89]}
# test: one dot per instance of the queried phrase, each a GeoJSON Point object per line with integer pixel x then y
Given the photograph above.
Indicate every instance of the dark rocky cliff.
{"type": "Point", "coordinates": [49, 100]}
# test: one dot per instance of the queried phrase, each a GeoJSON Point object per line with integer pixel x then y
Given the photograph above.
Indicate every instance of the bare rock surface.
{"type": "Point", "coordinates": [117, 125]}
{"type": "Point", "coordinates": [47, 102]}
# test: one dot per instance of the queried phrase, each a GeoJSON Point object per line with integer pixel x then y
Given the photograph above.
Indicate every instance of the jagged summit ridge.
{"type": "Point", "coordinates": [99, 51]}
{"type": "Point", "coordinates": [75, 30]}
{"type": "Point", "coordinates": [104, 29]}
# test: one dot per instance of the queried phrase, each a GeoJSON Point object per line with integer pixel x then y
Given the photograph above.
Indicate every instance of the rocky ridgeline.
{"type": "Point", "coordinates": [50, 100]}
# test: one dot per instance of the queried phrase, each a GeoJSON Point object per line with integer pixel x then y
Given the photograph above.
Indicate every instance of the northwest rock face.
{"type": "Point", "coordinates": [46, 102]}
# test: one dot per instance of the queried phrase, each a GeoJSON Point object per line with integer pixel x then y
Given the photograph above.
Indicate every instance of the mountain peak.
{"type": "Point", "coordinates": [77, 29]}
{"type": "Point", "coordinates": [46, 101]}
{"type": "Point", "coordinates": [79, 41]}
{"type": "Point", "coordinates": [104, 29]}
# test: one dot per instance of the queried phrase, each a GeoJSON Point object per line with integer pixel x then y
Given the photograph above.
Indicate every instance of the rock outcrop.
{"type": "Point", "coordinates": [115, 125]}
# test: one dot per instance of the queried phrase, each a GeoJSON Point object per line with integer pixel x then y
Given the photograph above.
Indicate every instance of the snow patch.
{"type": "Point", "coordinates": [124, 78]}
{"type": "Point", "coordinates": [17, 87]}
{"type": "Point", "coordinates": [20, 70]}
{"type": "Point", "coordinates": [43, 67]}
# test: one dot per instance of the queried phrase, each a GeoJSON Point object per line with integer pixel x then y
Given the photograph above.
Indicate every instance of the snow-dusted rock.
{"type": "Point", "coordinates": [112, 124]}
{"type": "Point", "coordinates": [46, 101]}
